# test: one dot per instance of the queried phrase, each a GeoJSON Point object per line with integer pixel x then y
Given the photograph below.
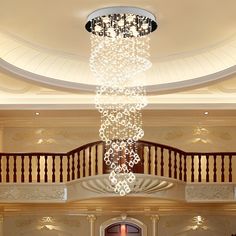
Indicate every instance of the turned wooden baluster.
{"type": "Point", "coordinates": [180, 166]}
{"type": "Point", "coordinates": [38, 168]}
{"type": "Point", "coordinates": [199, 168]}
{"type": "Point", "coordinates": [90, 161]}
{"type": "Point", "coordinates": [53, 169]}
{"type": "Point", "coordinates": [156, 163]}
{"type": "Point", "coordinates": [61, 168]}
{"type": "Point", "coordinates": [175, 165]}
{"type": "Point", "coordinates": [22, 169]}
{"type": "Point", "coordinates": [96, 160]}
{"type": "Point", "coordinates": [207, 168]}
{"type": "Point", "coordinates": [149, 160]}
{"type": "Point", "coordinates": [46, 169]}
{"type": "Point", "coordinates": [14, 169]}
{"type": "Point", "coordinates": [73, 166]}
{"type": "Point", "coordinates": [78, 165]}
{"type": "Point", "coordinates": [185, 168]}
{"type": "Point", "coordinates": [214, 169]}
{"type": "Point", "coordinates": [84, 163]}
{"type": "Point", "coordinates": [7, 170]}
{"type": "Point", "coordinates": [223, 168]}
{"type": "Point", "coordinates": [0, 168]}
{"type": "Point", "coordinates": [143, 157]}
{"type": "Point", "coordinates": [192, 168]}
{"type": "Point", "coordinates": [30, 168]}
{"type": "Point", "coordinates": [230, 168]}
{"type": "Point", "coordinates": [103, 153]}
{"type": "Point", "coordinates": [170, 164]}
{"type": "Point", "coordinates": [68, 167]}
{"type": "Point", "coordinates": [162, 161]}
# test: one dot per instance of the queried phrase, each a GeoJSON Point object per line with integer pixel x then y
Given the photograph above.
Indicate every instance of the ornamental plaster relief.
{"type": "Point", "coordinates": [210, 192]}
{"type": "Point", "coordinates": [32, 193]}
{"type": "Point", "coordinates": [97, 187]}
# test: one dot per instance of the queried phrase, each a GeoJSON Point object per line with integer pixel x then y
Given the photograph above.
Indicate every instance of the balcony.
{"type": "Point", "coordinates": [164, 173]}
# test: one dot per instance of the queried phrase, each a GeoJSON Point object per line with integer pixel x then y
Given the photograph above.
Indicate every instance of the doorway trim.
{"type": "Point", "coordinates": [131, 220]}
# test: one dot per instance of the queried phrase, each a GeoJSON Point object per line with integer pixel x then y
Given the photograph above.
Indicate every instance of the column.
{"type": "Point", "coordinates": [1, 225]}
{"type": "Point", "coordinates": [91, 219]}
{"type": "Point", "coordinates": [155, 219]}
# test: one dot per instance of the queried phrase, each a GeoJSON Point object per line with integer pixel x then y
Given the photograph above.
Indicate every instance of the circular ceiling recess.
{"type": "Point", "coordinates": [47, 42]}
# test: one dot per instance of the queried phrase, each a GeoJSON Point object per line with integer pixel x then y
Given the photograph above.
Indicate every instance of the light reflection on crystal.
{"type": "Point", "coordinates": [116, 59]}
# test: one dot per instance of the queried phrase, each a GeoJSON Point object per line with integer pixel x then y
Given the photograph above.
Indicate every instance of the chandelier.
{"type": "Point", "coordinates": [120, 52]}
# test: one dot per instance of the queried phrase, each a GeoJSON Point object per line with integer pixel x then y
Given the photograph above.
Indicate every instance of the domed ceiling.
{"type": "Point", "coordinates": [45, 41]}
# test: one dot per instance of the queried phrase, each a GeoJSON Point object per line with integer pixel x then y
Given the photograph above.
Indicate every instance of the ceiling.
{"type": "Point", "coordinates": [45, 41]}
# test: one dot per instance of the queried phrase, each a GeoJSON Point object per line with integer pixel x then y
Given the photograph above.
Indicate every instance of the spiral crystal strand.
{"type": "Point", "coordinates": [119, 52]}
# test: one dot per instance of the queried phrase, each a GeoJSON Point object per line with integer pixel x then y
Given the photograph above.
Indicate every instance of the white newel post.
{"type": "Point", "coordinates": [155, 219]}
{"type": "Point", "coordinates": [91, 219]}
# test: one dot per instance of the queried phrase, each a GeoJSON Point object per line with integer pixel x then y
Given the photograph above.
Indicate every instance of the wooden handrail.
{"type": "Point", "coordinates": [87, 160]}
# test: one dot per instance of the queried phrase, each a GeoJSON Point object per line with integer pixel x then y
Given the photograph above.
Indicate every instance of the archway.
{"type": "Point", "coordinates": [121, 226]}
{"type": "Point", "coordinates": [123, 229]}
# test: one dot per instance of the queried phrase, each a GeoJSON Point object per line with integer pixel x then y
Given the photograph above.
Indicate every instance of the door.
{"type": "Point", "coordinates": [123, 229]}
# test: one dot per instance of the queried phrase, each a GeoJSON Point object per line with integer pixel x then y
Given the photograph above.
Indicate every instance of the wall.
{"type": "Point", "coordinates": [62, 139]}
{"type": "Point", "coordinates": [71, 225]}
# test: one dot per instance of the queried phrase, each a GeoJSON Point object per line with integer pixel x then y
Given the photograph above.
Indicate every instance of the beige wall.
{"type": "Point", "coordinates": [169, 225]}
{"type": "Point", "coordinates": [61, 139]}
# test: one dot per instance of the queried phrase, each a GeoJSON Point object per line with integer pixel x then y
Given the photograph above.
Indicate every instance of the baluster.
{"type": "Point", "coordinates": [156, 160]}
{"type": "Point", "coordinates": [90, 161]}
{"type": "Point", "coordinates": [207, 168]}
{"type": "Point", "coordinates": [14, 169]}
{"type": "Point", "coordinates": [73, 166]}
{"type": "Point", "coordinates": [84, 163]}
{"type": "Point", "coordinates": [30, 168]}
{"type": "Point", "coordinates": [199, 168]}
{"type": "Point", "coordinates": [22, 169]}
{"type": "Point", "coordinates": [0, 168]}
{"type": "Point", "coordinates": [214, 169]}
{"type": "Point", "coordinates": [53, 169]}
{"type": "Point", "coordinates": [230, 168]}
{"type": "Point", "coordinates": [149, 160]}
{"type": "Point", "coordinates": [170, 164]}
{"type": "Point", "coordinates": [175, 165]}
{"type": "Point", "coordinates": [103, 153]}
{"type": "Point", "coordinates": [38, 168]}
{"type": "Point", "coordinates": [68, 167]}
{"type": "Point", "coordinates": [192, 168]}
{"type": "Point", "coordinates": [7, 170]}
{"type": "Point", "coordinates": [162, 162]}
{"type": "Point", "coordinates": [143, 157]}
{"type": "Point", "coordinates": [96, 160]}
{"type": "Point", "coordinates": [223, 168]}
{"type": "Point", "coordinates": [78, 165]}
{"type": "Point", "coordinates": [185, 167]}
{"type": "Point", "coordinates": [180, 166]}
{"type": "Point", "coordinates": [46, 169]}
{"type": "Point", "coordinates": [61, 168]}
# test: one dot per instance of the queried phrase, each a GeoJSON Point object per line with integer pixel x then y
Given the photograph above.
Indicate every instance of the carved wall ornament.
{"type": "Point", "coordinates": [209, 192]}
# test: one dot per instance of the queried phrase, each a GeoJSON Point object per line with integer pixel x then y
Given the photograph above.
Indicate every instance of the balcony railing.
{"type": "Point", "coordinates": [87, 160]}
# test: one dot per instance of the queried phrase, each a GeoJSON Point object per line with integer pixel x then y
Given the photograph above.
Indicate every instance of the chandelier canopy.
{"type": "Point", "coordinates": [119, 52]}
{"type": "Point", "coordinates": [124, 22]}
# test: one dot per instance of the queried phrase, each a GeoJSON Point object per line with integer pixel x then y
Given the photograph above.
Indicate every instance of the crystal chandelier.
{"type": "Point", "coordinates": [120, 52]}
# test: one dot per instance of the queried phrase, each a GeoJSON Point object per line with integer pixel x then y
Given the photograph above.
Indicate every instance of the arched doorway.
{"type": "Point", "coordinates": [123, 229]}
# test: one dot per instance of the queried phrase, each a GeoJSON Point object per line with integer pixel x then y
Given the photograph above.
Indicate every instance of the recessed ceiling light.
{"type": "Point", "coordinates": [206, 112]}
{"type": "Point", "coordinates": [37, 113]}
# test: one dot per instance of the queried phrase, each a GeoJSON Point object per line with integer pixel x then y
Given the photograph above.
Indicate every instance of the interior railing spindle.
{"type": "Point", "coordinates": [22, 168]}
{"type": "Point", "coordinates": [170, 164]}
